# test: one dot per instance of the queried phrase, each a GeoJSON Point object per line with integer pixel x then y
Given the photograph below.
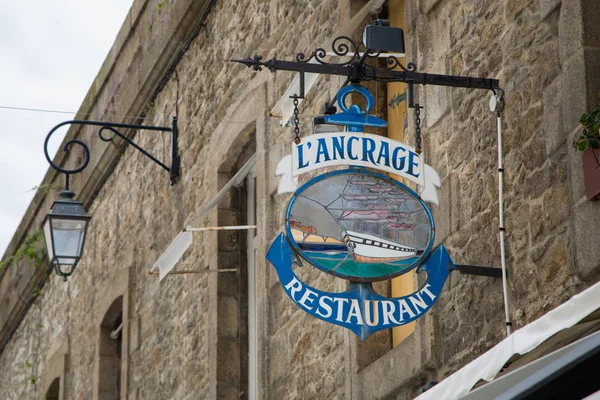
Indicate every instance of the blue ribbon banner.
{"type": "Point", "coordinates": [360, 308]}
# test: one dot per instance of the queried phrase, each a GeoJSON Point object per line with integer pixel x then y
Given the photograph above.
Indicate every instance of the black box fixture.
{"type": "Point", "coordinates": [382, 38]}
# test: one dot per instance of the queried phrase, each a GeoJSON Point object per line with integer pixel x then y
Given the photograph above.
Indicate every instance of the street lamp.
{"type": "Point", "coordinates": [64, 230]}
{"type": "Point", "coordinates": [66, 225]}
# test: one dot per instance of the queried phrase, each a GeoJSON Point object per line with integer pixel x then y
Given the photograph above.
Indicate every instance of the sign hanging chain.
{"type": "Point", "coordinates": [418, 148]}
{"type": "Point", "coordinates": [417, 107]}
{"type": "Point", "coordinates": [296, 121]}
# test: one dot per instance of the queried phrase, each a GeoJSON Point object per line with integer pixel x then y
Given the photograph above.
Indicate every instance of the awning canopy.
{"type": "Point", "coordinates": [567, 373]}
{"type": "Point", "coordinates": [487, 366]}
{"type": "Point", "coordinates": [171, 256]}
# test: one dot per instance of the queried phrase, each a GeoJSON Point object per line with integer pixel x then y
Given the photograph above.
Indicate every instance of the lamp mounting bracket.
{"type": "Point", "coordinates": [115, 128]}
{"type": "Point", "coordinates": [358, 69]}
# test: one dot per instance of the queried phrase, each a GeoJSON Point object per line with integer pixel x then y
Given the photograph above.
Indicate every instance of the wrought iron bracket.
{"type": "Point", "coordinates": [173, 169]}
{"type": "Point", "coordinates": [357, 69]}
{"type": "Point", "coordinates": [479, 271]}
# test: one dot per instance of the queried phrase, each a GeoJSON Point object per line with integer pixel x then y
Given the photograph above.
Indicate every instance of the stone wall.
{"type": "Point", "coordinates": [170, 327]}
{"type": "Point", "coordinates": [543, 58]}
{"type": "Point", "coordinates": [539, 53]}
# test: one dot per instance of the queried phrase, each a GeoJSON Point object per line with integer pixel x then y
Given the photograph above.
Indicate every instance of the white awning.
{"type": "Point", "coordinates": [171, 256]}
{"type": "Point", "coordinates": [539, 374]}
{"type": "Point", "coordinates": [488, 365]}
{"type": "Point", "coordinates": [285, 106]}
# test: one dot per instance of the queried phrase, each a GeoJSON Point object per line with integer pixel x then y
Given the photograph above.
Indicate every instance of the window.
{"type": "Point", "coordinates": [236, 305]}
{"type": "Point", "coordinates": [110, 346]}
{"type": "Point", "coordinates": [53, 392]}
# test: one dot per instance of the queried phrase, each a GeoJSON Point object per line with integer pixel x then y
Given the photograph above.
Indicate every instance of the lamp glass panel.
{"type": "Point", "coordinates": [48, 237]}
{"type": "Point", "coordinates": [68, 237]}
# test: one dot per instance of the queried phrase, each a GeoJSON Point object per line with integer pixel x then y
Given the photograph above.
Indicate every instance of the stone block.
{"type": "Point", "coordinates": [228, 316]}
{"type": "Point", "coordinates": [134, 334]}
{"type": "Point", "coordinates": [375, 382]}
{"type": "Point", "coordinates": [570, 30]}
{"type": "Point", "coordinates": [555, 265]}
{"type": "Point", "coordinates": [436, 104]}
{"type": "Point", "coordinates": [228, 370]}
{"type": "Point", "coordinates": [227, 391]}
{"type": "Point", "coordinates": [280, 355]}
{"type": "Point", "coordinates": [552, 119]}
{"type": "Point", "coordinates": [556, 207]}
{"type": "Point", "coordinates": [229, 282]}
{"type": "Point", "coordinates": [428, 5]}
{"type": "Point", "coordinates": [513, 8]}
{"type": "Point", "coordinates": [592, 77]}
{"type": "Point", "coordinates": [574, 163]}
{"type": "Point", "coordinates": [546, 7]}
{"type": "Point", "coordinates": [591, 29]}
{"type": "Point", "coordinates": [539, 249]}
{"type": "Point", "coordinates": [537, 183]}
{"type": "Point", "coordinates": [574, 88]}
{"type": "Point", "coordinates": [586, 239]}
{"type": "Point", "coordinates": [523, 278]}
{"type": "Point", "coordinates": [442, 214]}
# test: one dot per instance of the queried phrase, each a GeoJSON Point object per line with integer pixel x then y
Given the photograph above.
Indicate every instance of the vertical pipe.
{"type": "Point", "coordinates": [495, 107]}
{"type": "Point", "coordinates": [251, 248]}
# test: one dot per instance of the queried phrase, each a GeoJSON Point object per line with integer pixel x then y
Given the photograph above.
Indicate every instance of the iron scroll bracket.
{"type": "Point", "coordinates": [115, 129]}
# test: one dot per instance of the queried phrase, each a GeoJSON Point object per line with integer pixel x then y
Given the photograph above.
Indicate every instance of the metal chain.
{"type": "Point", "coordinates": [418, 148]}
{"type": "Point", "coordinates": [296, 121]}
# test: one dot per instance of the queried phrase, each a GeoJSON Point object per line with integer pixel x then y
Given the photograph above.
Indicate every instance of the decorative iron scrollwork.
{"type": "Point", "coordinates": [342, 46]}
{"type": "Point", "coordinates": [66, 149]}
{"type": "Point", "coordinates": [393, 63]}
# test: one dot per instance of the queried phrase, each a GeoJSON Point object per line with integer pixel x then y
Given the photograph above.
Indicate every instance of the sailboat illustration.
{"type": "Point", "coordinates": [374, 206]}
{"type": "Point", "coordinates": [357, 225]}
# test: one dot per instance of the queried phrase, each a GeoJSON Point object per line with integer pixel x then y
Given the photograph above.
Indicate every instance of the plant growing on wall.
{"type": "Point", "coordinates": [589, 143]}
{"type": "Point", "coordinates": [590, 137]}
{"type": "Point", "coordinates": [31, 251]}
{"type": "Point", "coordinates": [30, 377]}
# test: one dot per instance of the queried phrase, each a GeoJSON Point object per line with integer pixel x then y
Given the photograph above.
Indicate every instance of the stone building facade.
{"type": "Point", "coordinates": [188, 336]}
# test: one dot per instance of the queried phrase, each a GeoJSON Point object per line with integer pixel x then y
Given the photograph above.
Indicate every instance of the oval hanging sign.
{"type": "Point", "coordinates": [359, 225]}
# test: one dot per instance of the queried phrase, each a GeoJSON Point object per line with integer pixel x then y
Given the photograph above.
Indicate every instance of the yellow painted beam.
{"type": "Point", "coordinates": [397, 121]}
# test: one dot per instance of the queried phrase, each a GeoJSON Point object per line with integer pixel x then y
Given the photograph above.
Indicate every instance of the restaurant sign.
{"type": "Point", "coordinates": [359, 225]}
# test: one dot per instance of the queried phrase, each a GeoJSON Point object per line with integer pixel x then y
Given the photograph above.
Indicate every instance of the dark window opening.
{"type": "Point", "coordinates": [111, 328]}
{"type": "Point", "coordinates": [53, 392]}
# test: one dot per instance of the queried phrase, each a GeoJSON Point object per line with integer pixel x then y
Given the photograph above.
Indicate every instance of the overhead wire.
{"type": "Point", "coordinates": [42, 110]}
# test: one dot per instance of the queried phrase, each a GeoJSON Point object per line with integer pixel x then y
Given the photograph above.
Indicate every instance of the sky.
{"type": "Point", "coordinates": [50, 54]}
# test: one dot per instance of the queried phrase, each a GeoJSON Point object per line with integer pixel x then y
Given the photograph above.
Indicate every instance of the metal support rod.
{"type": "Point", "coordinates": [115, 334]}
{"type": "Point", "coordinates": [410, 88]}
{"type": "Point", "coordinates": [495, 106]}
{"type": "Point", "coordinates": [175, 160]}
{"type": "Point", "coordinates": [132, 143]}
{"type": "Point", "coordinates": [204, 271]}
{"type": "Point", "coordinates": [368, 73]}
{"type": "Point", "coordinates": [219, 228]}
{"type": "Point", "coordinates": [301, 96]}
{"type": "Point", "coordinates": [478, 270]}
